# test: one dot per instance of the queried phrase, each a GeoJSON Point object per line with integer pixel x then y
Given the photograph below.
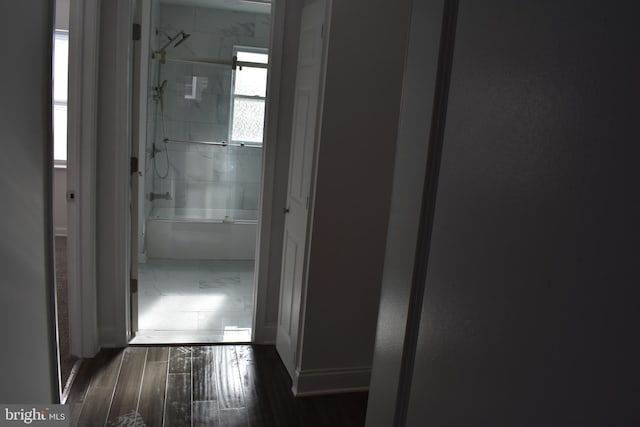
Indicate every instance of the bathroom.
{"type": "Point", "coordinates": [200, 169]}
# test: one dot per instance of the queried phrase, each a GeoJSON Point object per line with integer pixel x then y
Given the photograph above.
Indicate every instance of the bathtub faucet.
{"type": "Point", "coordinates": [155, 196]}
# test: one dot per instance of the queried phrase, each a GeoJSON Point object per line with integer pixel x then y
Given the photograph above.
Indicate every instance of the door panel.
{"type": "Point", "coordinates": [297, 190]}
{"type": "Point", "coordinates": [291, 253]}
{"type": "Point", "coordinates": [306, 110]}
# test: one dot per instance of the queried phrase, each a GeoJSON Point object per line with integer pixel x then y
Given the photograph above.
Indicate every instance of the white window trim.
{"type": "Point", "coordinates": [233, 96]}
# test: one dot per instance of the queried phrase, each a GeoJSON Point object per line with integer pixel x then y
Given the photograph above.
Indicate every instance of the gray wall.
{"type": "Point", "coordinates": [29, 373]}
{"type": "Point", "coordinates": [62, 14]}
{"type": "Point", "coordinates": [60, 201]}
{"type": "Point", "coordinates": [530, 312]}
{"type": "Point", "coordinates": [353, 184]}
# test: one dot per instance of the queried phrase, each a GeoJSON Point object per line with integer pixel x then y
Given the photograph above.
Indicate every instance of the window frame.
{"type": "Point", "coordinates": [234, 96]}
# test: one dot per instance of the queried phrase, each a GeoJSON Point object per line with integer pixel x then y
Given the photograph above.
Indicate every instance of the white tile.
{"type": "Point", "coordinates": [168, 320]}
{"type": "Point", "coordinates": [188, 301]}
{"type": "Point", "coordinates": [236, 335]}
{"type": "Point", "coordinates": [174, 18]}
{"type": "Point", "coordinates": [263, 28]}
{"type": "Point", "coordinates": [226, 23]}
{"type": "Point", "coordinates": [177, 337]}
{"type": "Point", "coordinates": [236, 320]}
{"type": "Point", "coordinates": [208, 320]}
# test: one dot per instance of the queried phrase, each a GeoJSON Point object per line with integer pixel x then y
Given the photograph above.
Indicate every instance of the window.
{"type": "Point", "coordinates": [248, 97]}
{"type": "Point", "coordinates": [60, 82]}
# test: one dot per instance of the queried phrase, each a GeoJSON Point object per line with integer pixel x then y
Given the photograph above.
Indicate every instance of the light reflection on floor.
{"type": "Point", "coordinates": [186, 301]}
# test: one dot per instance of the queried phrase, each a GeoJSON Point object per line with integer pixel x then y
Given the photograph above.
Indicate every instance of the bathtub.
{"type": "Point", "coordinates": [174, 233]}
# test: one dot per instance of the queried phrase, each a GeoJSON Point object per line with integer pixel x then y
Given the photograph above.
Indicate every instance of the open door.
{"type": "Point", "coordinates": [306, 111]}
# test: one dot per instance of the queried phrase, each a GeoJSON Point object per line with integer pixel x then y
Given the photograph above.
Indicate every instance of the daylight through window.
{"type": "Point", "coordinates": [60, 86]}
{"type": "Point", "coordinates": [248, 98]}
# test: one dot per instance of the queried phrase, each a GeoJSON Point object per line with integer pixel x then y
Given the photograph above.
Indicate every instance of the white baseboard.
{"type": "Point", "coordinates": [331, 381]}
{"type": "Point", "coordinates": [60, 231]}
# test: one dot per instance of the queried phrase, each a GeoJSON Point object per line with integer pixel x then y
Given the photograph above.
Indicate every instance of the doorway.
{"type": "Point", "coordinates": [199, 145]}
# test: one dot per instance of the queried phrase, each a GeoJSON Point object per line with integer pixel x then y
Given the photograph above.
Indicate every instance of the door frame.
{"type": "Point", "coordinates": [86, 333]}
{"type": "Point", "coordinates": [84, 37]}
{"type": "Point", "coordinates": [85, 336]}
{"type": "Point", "coordinates": [120, 333]}
{"type": "Point", "coordinates": [262, 330]}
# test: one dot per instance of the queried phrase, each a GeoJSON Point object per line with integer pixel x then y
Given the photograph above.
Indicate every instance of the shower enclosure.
{"type": "Point", "coordinates": [205, 130]}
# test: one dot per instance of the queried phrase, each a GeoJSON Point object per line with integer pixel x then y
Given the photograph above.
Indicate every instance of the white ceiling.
{"type": "Point", "coordinates": [254, 6]}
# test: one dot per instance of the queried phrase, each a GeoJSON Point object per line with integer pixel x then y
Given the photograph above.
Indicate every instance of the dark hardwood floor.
{"type": "Point", "coordinates": [216, 385]}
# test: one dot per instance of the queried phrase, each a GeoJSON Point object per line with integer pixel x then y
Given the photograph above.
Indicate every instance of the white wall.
{"type": "Point", "coordinates": [27, 364]}
{"type": "Point", "coordinates": [353, 186]}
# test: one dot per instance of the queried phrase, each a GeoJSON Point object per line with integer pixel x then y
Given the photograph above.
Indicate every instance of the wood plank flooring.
{"type": "Point", "coordinates": [216, 385]}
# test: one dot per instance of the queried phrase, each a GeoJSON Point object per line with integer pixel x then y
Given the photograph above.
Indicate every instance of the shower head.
{"type": "Point", "coordinates": [184, 37]}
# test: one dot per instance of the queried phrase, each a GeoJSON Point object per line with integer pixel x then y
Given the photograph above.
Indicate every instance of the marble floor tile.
{"type": "Point", "coordinates": [180, 337]}
{"type": "Point", "coordinates": [190, 301]}
{"type": "Point", "coordinates": [168, 320]}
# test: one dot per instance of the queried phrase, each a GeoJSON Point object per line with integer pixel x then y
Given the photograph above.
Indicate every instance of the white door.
{"type": "Point", "coordinates": [303, 136]}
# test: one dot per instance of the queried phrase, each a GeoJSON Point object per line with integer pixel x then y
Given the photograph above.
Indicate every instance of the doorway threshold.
{"type": "Point", "coordinates": [228, 335]}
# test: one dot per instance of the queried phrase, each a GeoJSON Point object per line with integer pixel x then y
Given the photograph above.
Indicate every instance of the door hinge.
{"type": "Point", "coordinates": [134, 165]}
{"type": "Point", "coordinates": [134, 286]}
{"type": "Point", "coordinates": [136, 32]}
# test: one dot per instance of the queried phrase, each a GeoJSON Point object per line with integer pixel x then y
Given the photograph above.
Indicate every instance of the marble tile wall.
{"type": "Point", "coordinates": [196, 107]}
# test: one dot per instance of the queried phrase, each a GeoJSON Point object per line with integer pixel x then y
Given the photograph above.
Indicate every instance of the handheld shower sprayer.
{"type": "Point", "coordinates": [158, 95]}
